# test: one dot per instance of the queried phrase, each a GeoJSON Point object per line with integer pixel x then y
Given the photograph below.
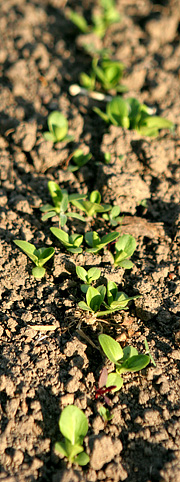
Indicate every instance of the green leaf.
{"type": "Point", "coordinates": [61, 448]}
{"type": "Point", "coordinates": [38, 272]}
{"type": "Point", "coordinates": [81, 273]}
{"type": "Point", "coordinates": [127, 244]}
{"type": "Point", "coordinates": [105, 413]}
{"type": "Point", "coordinates": [128, 352]}
{"type": "Point", "coordinates": [102, 291]}
{"type": "Point", "coordinates": [28, 248]}
{"type": "Point", "coordinates": [73, 424]}
{"type": "Point", "coordinates": [46, 208]}
{"type": "Point", "coordinates": [62, 219]}
{"type": "Point", "coordinates": [125, 263]}
{"type": "Point", "coordinates": [134, 363]}
{"type": "Point", "coordinates": [76, 239]}
{"type": "Point", "coordinates": [48, 136]}
{"type": "Point", "coordinates": [95, 197]}
{"type": "Point", "coordinates": [109, 238]}
{"type": "Point", "coordinates": [74, 250]}
{"type": "Point", "coordinates": [61, 235]}
{"type": "Point", "coordinates": [93, 298]}
{"type": "Point", "coordinates": [78, 20]}
{"type": "Point", "coordinates": [84, 306]}
{"type": "Point", "coordinates": [58, 125]}
{"type": "Point", "coordinates": [82, 459]}
{"type": "Point", "coordinates": [72, 450]}
{"type": "Point", "coordinates": [48, 215]}
{"type": "Point", "coordinates": [114, 379]}
{"type": "Point", "coordinates": [92, 238]}
{"type": "Point", "coordinates": [111, 348]}
{"type": "Point", "coordinates": [55, 193]}
{"type": "Point", "coordinates": [93, 274]}
{"type": "Point", "coordinates": [76, 216]}
{"type": "Point", "coordinates": [115, 211]}
{"type": "Point", "coordinates": [112, 290]}
{"type": "Point", "coordinates": [118, 112]}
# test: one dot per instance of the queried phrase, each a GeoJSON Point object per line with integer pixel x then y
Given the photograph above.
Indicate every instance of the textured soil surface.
{"type": "Point", "coordinates": [41, 56]}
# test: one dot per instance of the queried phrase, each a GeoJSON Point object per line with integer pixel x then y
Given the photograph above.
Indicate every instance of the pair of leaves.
{"type": "Point", "coordinates": [73, 425]}
{"type": "Point", "coordinates": [38, 256]}
{"type": "Point", "coordinates": [107, 73]}
{"type": "Point", "coordinates": [61, 200]}
{"type": "Point", "coordinates": [124, 248]}
{"type": "Point", "coordinates": [96, 243]}
{"type": "Point", "coordinates": [72, 243]}
{"type": "Point", "coordinates": [87, 276]}
{"type": "Point", "coordinates": [79, 160]}
{"type": "Point", "coordinates": [130, 114]}
{"type": "Point", "coordinates": [58, 128]}
{"type": "Point", "coordinates": [113, 216]}
{"type": "Point", "coordinates": [125, 360]}
{"type": "Point", "coordinates": [92, 205]}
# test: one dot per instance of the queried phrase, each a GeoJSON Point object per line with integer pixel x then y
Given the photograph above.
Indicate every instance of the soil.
{"type": "Point", "coordinates": [41, 371]}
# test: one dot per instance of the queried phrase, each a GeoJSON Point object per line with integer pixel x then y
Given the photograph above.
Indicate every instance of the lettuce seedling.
{"type": "Point", "coordinates": [72, 243]}
{"type": "Point", "coordinates": [58, 128]}
{"type": "Point", "coordinates": [125, 360]}
{"type": "Point", "coordinates": [107, 16]}
{"type": "Point", "coordinates": [113, 216]}
{"type": "Point", "coordinates": [73, 425]}
{"type": "Point", "coordinates": [124, 248]}
{"type": "Point", "coordinates": [130, 114]}
{"type": "Point", "coordinates": [79, 160]}
{"type": "Point", "coordinates": [38, 256]}
{"type": "Point", "coordinates": [92, 205]}
{"type": "Point", "coordinates": [95, 297]}
{"type": "Point", "coordinates": [61, 200]}
{"type": "Point", "coordinates": [87, 276]}
{"type": "Point", "coordinates": [96, 243]}
{"type": "Point", "coordinates": [107, 74]}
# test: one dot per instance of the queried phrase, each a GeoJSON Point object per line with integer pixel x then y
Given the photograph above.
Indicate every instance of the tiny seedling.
{"type": "Point", "coordinates": [105, 414]}
{"type": "Point", "coordinates": [100, 22]}
{"type": "Point", "coordinates": [61, 200]}
{"type": "Point", "coordinates": [87, 276]}
{"type": "Point", "coordinates": [73, 425]}
{"type": "Point", "coordinates": [125, 360]}
{"type": "Point", "coordinates": [96, 243]}
{"type": "Point", "coordinates": [106, 74]}
{"type": "Point", "coordinates": [148, 352]}
{"type": "Point", "coordinates": [58, 128]}
{"type": "Point", "coordinates": [102, 390]}
{"type": "Point", "coordinates": [72, 243]}
{"type": "Point", "coordinates": [92, 205]}
{"type": "Point", "coordinates": [131, 114]}
{"type": "Point", "coordinates": [95, 297]}
{"type": "Point", "coordinates": [113, 216]}
{"type": "Point", "coordinates": [124, 248]}
{"type": "Point", "coordinates": [38, 256]}
{"type": "Point", "coordinates": [79, 159]}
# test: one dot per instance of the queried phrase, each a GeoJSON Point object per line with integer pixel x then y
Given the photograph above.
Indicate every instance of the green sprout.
{"type": "Point", "coordinates": [113, 216]}
{"type": "Point", "coordinates": [61, 200]}
{"type": "Point", "coordinates": [124, 248]}
{"type": "Point", "coordinates": [108, 73]}
{"type": "Point", "coordinates": [130, 114]}
{"type": "Point", "coordinates": [96, 243]}
{"type": "Point", "coordinates": [100, 22]}
{"type": "Point", "coordinates": [38, 256]}
{"type": "Point", "coordinates": [73, 425]}
{"type": "Point", "coordinates": [58, 128]}
{"type": "Point", "coordinates": [92, 205]}
{"type": "Point", "coordinates": [105, 414]}
{"type": "Point", "coordinates": [72, 243]}
{"type": "Point", "coordinates": [79, 160]}
{"type": "Point", "coordinates": [87, 276]}
{"type": "Point", "coordinates": [95, 297]}
{"type": "Point", "coordinates": [125, 360]}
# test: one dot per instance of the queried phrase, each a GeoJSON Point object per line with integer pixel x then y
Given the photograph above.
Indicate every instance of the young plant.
{"type": "Point", "coordinates": [61, 199]}
{"type": "Point", "coordinates": [87, 276]}
{"type": "Point", "coordinates": [95, 297]}
{"type": "Point", "coordinates": [102, 390]}
{"type": "Point", "coordinates": [125, 360]}
{"type": "Point", "coordinates": [96, 243]}
{"type": "Point", "coordinates": [131, 114]}
{"type": "Point", "coordinates": [92, 205]}
{"type": "Point", "coordinates": [113, 216]}
{"type": "Point", "coordinates": [108, 73]}
{"type": "Point", "coordinates": [58, 128]}
{"type": "Point", "coordinates": [73, 425]}
{"type": "Point", "coordinates": [72, 243]}
{"type": "Point", "coordinates": [124, 248]}
{"type": "Point", "coordinates": [105, 414]}
{"type": "Point", "coordinates": [79, 160]}
{"type": "Point", "coordinates": [100, 22]}
{"type": "Point", "coordinates": [38, 256]}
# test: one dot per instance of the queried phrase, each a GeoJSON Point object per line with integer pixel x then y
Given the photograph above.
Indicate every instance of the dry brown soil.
{"type": "Point", "coordinates": [41, 56]}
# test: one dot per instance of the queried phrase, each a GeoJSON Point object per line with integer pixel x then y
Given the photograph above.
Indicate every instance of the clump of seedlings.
{"type": "Point", "coordinates": [38, 256]}
{"type": "Point", "coordinates": [124, 249]}
{"type": "Point", "coordinates": [126, 360]}
{"type": "Point", "coordinates": [131, 114]}
{"type": "Point", "coordinates": [73, 425]}
{"type": "Point", "coordinates": [100, 21]}
{"type": "Point", "coordinates": [112, 217]}
{"type": "Point", "coordinates": [78, 160]}
{"type": "Point", "coordinates": [58, 128]}
{"type": "Point", "coordinates": [105, 74]}
{"type": "Point", "coordinates": [92, 206]}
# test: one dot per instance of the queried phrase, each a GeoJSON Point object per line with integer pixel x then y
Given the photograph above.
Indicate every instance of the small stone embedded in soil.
{"type": "Point", "coordinates": [103, 450]}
